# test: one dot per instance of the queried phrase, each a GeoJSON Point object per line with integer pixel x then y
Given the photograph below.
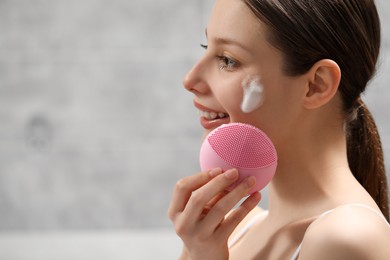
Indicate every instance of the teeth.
{"type": "Point", "coordinates": [211, 115]}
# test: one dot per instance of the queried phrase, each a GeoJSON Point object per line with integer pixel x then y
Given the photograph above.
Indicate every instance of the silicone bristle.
{"type": "Point", "coordinates": [243, 146]}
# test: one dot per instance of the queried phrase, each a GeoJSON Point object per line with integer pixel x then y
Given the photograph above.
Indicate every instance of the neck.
{"type": "Point", "coordinates": [312, 168]}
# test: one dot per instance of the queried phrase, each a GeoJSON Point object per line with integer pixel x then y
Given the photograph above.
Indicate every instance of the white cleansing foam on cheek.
{"type": "Point", "coordinates": [253, 94]}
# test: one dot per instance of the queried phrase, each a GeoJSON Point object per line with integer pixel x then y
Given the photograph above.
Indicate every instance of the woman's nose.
{"type": "Point", "coordinates": [195, 80]}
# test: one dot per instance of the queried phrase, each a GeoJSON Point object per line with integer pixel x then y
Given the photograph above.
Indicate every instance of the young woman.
{"type": "Point", "coordinates": [328, 198]}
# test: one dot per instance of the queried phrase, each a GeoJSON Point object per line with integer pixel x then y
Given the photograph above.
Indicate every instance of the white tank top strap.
{"type": "Point", "coordinates": [233, 240]}
{"type": "Point", "coordinates": [357, 205]}
{"type": "Point", "coordinates": [296, 253]}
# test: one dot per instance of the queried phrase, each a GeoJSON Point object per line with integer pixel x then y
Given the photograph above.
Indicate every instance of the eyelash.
{"type": "Point", "coordinates": [225, 63]}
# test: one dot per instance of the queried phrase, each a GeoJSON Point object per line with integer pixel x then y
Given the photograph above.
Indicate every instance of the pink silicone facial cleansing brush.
{"type": "Point", "coordinates": [243, 147]}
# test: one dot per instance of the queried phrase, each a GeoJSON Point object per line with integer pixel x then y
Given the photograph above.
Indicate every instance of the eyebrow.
{"type": "Point", "coordinates": [229, 41]}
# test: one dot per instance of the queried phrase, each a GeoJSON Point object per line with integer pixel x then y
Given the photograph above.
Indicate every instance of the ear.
{"type": "Point", "coordinates": [324, 80]}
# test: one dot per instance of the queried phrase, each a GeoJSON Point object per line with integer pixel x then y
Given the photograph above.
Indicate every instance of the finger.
{"type": "Point", "coordinates": [218, 212]}
{"type": "Point", "coordinates": [202, 196]}
{"type": "Point", "coordinates": [217, 198]}
{"type": "Point", "coordinates": [213, 201]}
{"type": "Point", "coordinates": [231, 222]}
{"type": "Point", "coordinates": [185, 187]}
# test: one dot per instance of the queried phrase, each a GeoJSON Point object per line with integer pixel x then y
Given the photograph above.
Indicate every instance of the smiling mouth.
{"type": "Point", "coordinates": [211, 119]}
{"type": "Point", "coordinates": [212, 115]}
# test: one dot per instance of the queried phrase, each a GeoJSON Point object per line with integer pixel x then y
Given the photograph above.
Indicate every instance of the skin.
{"type": "Point", "coordinates": [303, 117]}
{"type": "Point", "coordinates": [253, 94]}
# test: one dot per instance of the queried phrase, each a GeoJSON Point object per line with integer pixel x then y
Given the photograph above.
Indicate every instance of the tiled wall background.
{"type": "Point", "coordinates": [95, 127]}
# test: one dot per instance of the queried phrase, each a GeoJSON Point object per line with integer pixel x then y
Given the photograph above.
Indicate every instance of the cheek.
{"type": "Point", "coordinates": [242, 97]}
{"type": "Point", "coordinates": [253, 95]}
{"type": "Point", "coordinates": [245, 98]}
{"type": "Point", "coordinates": [230, 96]}
{"type": "Point", "coordinates": [281, 107]}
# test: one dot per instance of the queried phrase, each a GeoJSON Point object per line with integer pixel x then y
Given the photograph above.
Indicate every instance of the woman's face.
{"type": "Point", "coordinates": [237, 50]}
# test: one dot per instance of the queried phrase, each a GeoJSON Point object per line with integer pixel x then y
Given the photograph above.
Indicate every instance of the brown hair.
{"type": "Point", "coordinates": [348, 32]}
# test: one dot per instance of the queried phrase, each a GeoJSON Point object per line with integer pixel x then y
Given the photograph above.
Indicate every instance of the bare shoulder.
{"type": "Point", "coordinates": [348, 232]}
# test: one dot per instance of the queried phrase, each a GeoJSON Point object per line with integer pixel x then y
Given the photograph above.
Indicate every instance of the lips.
{"type": "Point", "coordinates": [210, 118]}
{"type": "Point", "coordinates": [212, 115]}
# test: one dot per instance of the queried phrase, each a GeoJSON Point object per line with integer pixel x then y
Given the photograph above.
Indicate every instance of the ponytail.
{"type": "Point", "coordinates": [365, 156]}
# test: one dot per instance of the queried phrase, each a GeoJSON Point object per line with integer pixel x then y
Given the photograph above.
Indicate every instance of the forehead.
{"type": "Point", "coordinates": [234, 20]}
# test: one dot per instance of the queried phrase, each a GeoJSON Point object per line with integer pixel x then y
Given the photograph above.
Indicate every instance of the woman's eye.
{"type": "Point", "coordinates": [226, 63]}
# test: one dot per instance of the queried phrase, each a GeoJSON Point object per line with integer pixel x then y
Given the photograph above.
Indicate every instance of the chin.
{"type": "Point", "coordinates": [206, 133]}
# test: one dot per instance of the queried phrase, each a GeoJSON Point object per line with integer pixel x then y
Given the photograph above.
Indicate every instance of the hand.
{"type": "Point", "coordinates": [199, 209]}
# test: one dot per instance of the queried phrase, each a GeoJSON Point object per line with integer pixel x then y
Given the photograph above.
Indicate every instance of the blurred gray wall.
{"type": "Point", "coordinates": [95, 127]}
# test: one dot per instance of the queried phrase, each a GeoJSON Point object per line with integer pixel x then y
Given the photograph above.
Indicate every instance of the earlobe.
{"type": "Point", "coordinates": [324, 79]}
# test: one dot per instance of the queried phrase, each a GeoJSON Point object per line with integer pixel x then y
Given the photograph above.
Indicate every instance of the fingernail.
{"type": "Point", "coordinates": [231, 174]}
{"type": "Point", "coordinates": [250, 181]}
{"type": "Point", "coordinates": [215, 172]}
